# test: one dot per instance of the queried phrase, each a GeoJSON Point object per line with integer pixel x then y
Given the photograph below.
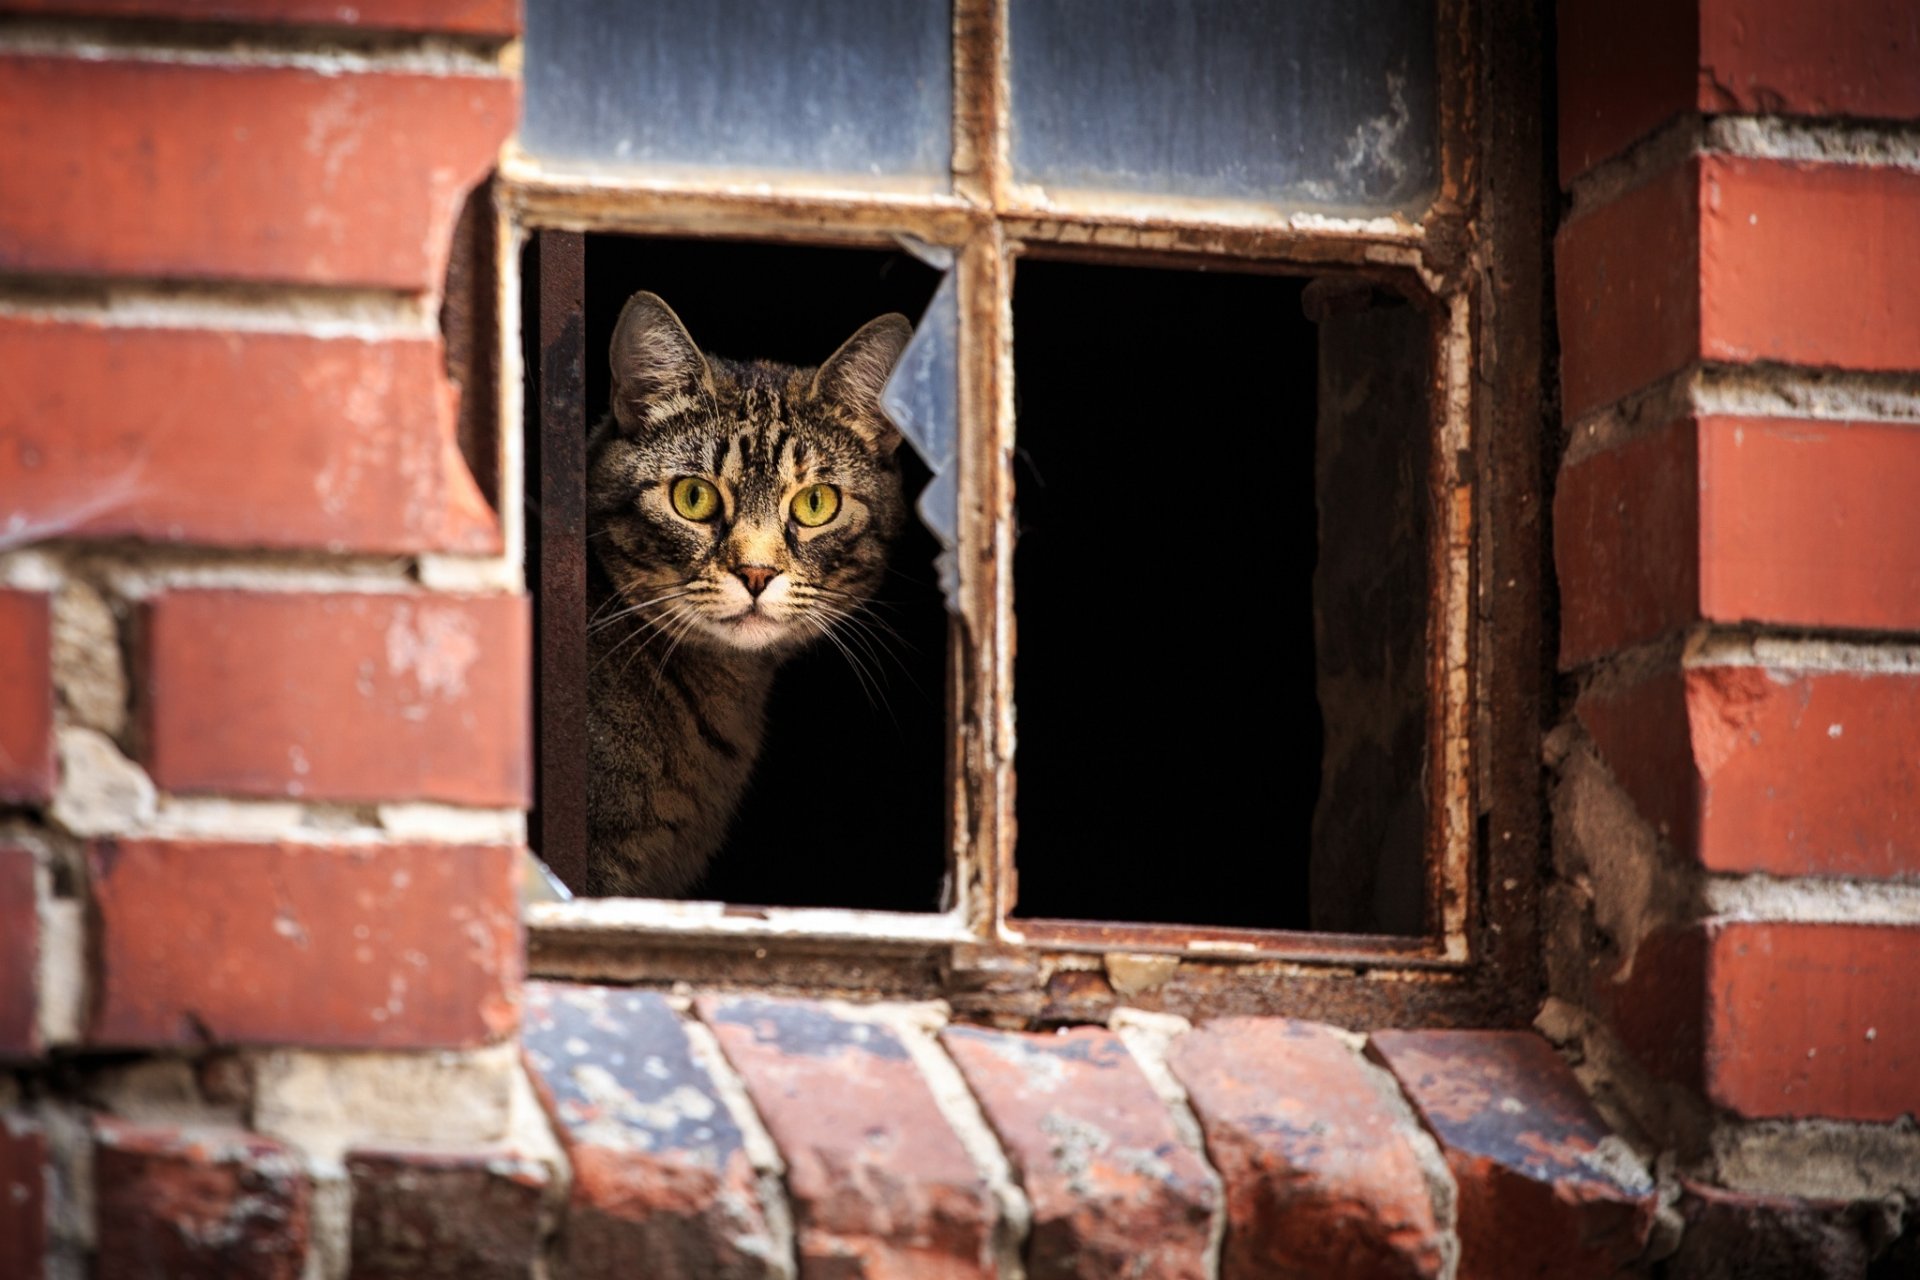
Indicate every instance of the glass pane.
{"type": "Point", "coordinates": [1320, 103]}
{"type": "Point", "coordinates": [818, 86]}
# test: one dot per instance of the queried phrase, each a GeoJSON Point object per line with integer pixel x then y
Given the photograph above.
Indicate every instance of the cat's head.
{"type": "Point", "coordinates": [743, 505]}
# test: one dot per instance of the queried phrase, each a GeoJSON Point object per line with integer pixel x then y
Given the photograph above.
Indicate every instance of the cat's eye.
{"type": "Point", "coordinates": [814, 505]}
{"type": "Point", "coordinates": [696, 499]}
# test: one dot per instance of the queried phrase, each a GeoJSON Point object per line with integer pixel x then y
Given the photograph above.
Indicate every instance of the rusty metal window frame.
{"type": "Point", "coordinates": [1471, 260]}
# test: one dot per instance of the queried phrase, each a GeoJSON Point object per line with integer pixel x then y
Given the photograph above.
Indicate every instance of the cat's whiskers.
{"type": "Point", "coordinates": [593, 627]}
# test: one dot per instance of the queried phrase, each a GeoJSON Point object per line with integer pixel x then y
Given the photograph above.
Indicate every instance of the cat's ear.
{"type": "Point", "coordinates": [657, 371]}
{"type": "Point", "coordinates": [852, 377]}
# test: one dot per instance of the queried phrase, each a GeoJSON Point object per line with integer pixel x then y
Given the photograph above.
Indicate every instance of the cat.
{"type": "Point", "coordinates": [736, 511]}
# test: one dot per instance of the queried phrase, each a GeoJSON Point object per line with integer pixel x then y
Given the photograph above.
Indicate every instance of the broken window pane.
{"type": "Point", "coordinates": [1327, 104]}
{"type": "Point", "coordinates": [860, 92]}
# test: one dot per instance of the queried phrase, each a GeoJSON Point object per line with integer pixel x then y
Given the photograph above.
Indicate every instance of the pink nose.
{"type": "Point", "coordinates": [756, 576]}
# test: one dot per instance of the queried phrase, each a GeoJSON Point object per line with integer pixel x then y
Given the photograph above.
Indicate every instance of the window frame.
{"type": "Point", "coordinates": [1473, 260]}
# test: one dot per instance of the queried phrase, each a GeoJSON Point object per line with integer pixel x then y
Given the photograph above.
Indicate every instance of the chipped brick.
{"type": "Point", "coordinates": [334, 946]}
{"type": "Point", "coordinates": [243, 439]}
{"type": "Point", "coordinates": [1546, 1189]}
{"type": "Point", "coordinates": [1114, 1190]}
{"type": "Point", "coordinates": [663, 1185]}
{"type": "Point", "coordinates": [881, 1186]}
{"type": "Point", "coordinates": [339, 696]}
{"type": "Point", "coordinates": [353, 178]}
{"type": "Point", "coordinates": [422, 1215]}
{"type": "Point", "coordinates": [1319, 1156]}
{"type": "Point", "coordinates": [172, 1202]}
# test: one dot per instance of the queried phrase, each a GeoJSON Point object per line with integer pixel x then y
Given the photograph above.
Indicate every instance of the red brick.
{"type": "Point", "coordinates": [1114, 1190]}
{"type": "Point", "coordinates": [1737, 260]}
{"type": "Point", "coordinates": [19, 954]}
{"type": "Point", "coordinates": [1732, 519]}
{"type": "Point", "coordinates": [23, 1199]}
{"type": "Point", "coordinates": [1625, 69]}
{"type": "Point", "coordinates": [1317, 1153]}
{"type": "Point", "coordinates": [166, 169]}
{"type": "Point", "coordinates": [1810, 264]}
{"type": "Point", "coordinates": [1545, 1187]}
{"type": "Point", "coordinates": [1628, 290]}
{"type": "Point", "coordinates": [173, 1202]}
{"type": "Point", "coordinates": [457, 1215]}
{"type": "Point", "coordinates": [662, 1183]}
{"type": "Point", "coordinates": [374, 946]}
{"type": "Point", "coordinates": [1810, 523]}
{"type": "Point", "coordinates": [338, 697]}
{"type": "Point", "coordinates": [1733, 1235]}
{"type": "Point", "coordinates": [1805, 57]}
{"type": "Point", "coordinates": [881, 1187]}
{"type": "Point", "coordinates": [465, 17]}
{"type": "Point", "coordinates": [26, 694]}
{"type": "Point", "coordinates": [1784, 772]}
{"type": "Point", "coordinates": [1625, 522]}
{"type": "Point", "coordinates": [242, 439]}
{"type": "Point", "coordinates": [1814, 1020]}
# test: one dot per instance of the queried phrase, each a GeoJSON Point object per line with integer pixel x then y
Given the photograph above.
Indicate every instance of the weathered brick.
{"type": "Point", "coordinates": [1546, 1189]}
{"type": "Point", "coordinates": [1627, 287]}
{"type": "Point", "coordinates": [662, 1182]}
{"type": "Point", "coordinates": [1625, 530]}
{"type": "Point", "coordinates": [23, 1199]}
{"type": "Point", "coordinates": [1626, 68]}
{"type": "Point", "coordinates": [1733, 1235]}
{"type": "Point", "coordinates": [459, 1215]}
{"type": "Point", "coordinates": [1813, 1020]}
{"type": "Point", "coordinates": [466, 17]}
{"type": "Point", "coordinates": [881, 1186]}
{"type": "Point", "coordinates": [338, 697]}
{"type": "Point", "coordinates": [353, 945]}
{"type": "Point", "coordinates": [1319, 1155]}
{"type": "Point", "coordinates": [1787, 772]}
{"type": "Point", "coordinates": [1730, 259]}
{"type": "Point", "coordinates": [173, 1202]}
{"type": "Point", "coordinates": [242, 172]}
{"type": "Point", "coordinates": [1729, 519]}
{"type": "Point", "coordinates": [26, 692]}
{"type": "Point", "coordinates": [243, 439]}
{"type": "Point", "coordinates": [1114, 1190]}
{"type": "Point", "coordinates": [19, 954]}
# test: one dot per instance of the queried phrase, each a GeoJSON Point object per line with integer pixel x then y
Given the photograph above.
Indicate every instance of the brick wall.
{"type": "Point", "coordinates": [1737, 918]}
{"type": "Point", "coordinates": [264, 729]}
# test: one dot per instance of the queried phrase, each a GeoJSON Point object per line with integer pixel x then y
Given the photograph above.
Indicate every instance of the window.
{"type": "Point", "coordinates": [1218, 663]}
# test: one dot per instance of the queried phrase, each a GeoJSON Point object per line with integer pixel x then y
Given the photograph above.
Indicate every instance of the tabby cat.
{"type": "Point", "coordinates": [735, 512]}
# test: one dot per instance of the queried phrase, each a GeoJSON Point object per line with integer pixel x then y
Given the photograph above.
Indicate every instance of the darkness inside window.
{"type": "Point", "coordinates": [1220, 587]}
{"type": "Point", "coordinates": [858, 818]}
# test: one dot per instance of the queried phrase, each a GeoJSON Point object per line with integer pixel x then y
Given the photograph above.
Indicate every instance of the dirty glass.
{"type": "Point", "coordinates": [1321, 104]}
{"type": "Point", "coordinates": [857, 91]}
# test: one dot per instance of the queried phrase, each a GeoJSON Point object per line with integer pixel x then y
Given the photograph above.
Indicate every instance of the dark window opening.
{"type": "Point", "coordinates": [1220, 587]}
{"type": "Point", "coordinates": [859, 818]}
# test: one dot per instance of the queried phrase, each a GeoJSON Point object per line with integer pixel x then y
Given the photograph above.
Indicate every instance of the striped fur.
{"type": "Point", "coordinates": [682, 653]}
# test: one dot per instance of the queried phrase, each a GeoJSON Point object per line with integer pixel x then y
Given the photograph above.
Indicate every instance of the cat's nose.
{"type": "Point", "coordinates": [756, 576]}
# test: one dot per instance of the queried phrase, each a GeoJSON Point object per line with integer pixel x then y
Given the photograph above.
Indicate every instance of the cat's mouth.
{"type": "Point", "coordinates": [751, 628]}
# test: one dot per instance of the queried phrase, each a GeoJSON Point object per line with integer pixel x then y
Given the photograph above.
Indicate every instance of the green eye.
{"type": "Point", "coordinates": [814, 505]}
{"type": "Point", "coordinates": [696, 499]}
